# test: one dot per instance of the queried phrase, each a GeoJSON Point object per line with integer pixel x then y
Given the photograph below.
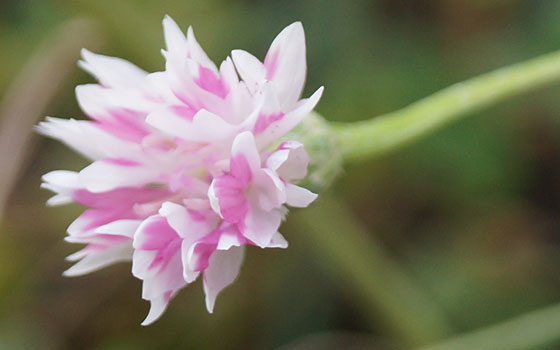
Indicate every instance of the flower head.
{"type": "Point", "coordinates": [187, 167]}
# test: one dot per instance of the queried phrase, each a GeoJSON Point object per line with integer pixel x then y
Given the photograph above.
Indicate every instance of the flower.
{"type": "Point", "coordinates": [187, 164]}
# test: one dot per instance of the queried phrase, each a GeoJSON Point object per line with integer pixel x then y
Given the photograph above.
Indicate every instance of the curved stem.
{"type": "Point", "coordinates": [532, 330]}
{"type": "Point", "coordinates": [362, 140]}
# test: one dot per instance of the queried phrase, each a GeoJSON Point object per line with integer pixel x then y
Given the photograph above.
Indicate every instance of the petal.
{"type": "Point", "coordinates": [227, 198]}
{"type": "Point", "coordinates": [62, 182]}
{"type": "Point", "coordinates": [244, 145]}
{"type": "Point", "coordinates": [157, 307]}
{"type": "Point", "coordinates": [208, 80]}
{"type": "Point", "coordinates": [91, 219]}
{"type": "Point", "coordinates": [260, 225]}
{"type": "Point", "coordinates": [204, 127]}
{"type": "Point", "coordinates": [153, 234]}
{"type": "Point", "coordinates": [112, 71]}
{"type": "Point", "coordinates": [298, 196]}
{"type": "Point", "coordinates": [231, 237]}
{"type": "Point", "coordinates": [223, 269]}
{"type": "Point", "coordinates": [271, 191]}
{"type": "Point", "coordinates": [197, 53]}
{"type": "Point", "coordinates": [86, 138]}
{"type": "Point", "coordinates": [285, 64]}
{"type": "Point", "coordinates": [106, 175]}
{"type": "Point", "coordinates": [250, 69]}
{"type": "Point", "coordinates": [191, 226]}
{"type": "Point", "coordinates": [278, 241]}
{"type": "Point", "coordinates": [58, 199]}
{"type": "Point", "coordinates": [121, 197]}
{"type": "Point", "coordinates": [279, 128]}
{"type": "Point", "coordinates": [120, 112]}
{"type": "Point", "coordinates": [213, 198]}
{"type": "Point", "coordinates": [175, 40]}
{"type": "Point", "coordinates": [119, 227]}
{"type": "Point", "coordinates": [228, 74]}
{"type": "Point", "coordinates": [98, 260]}
{"type": "Point", "coordinates": [157, 258]}
{"type": "Point", "coordinates": [289, 161]}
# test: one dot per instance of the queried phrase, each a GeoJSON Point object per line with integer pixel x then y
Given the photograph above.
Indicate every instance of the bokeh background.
{"type": "Point", "coordinates": [470, 213]}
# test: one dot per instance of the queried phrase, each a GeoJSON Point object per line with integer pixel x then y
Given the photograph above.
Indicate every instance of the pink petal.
{"type": "Point", "coordinates": [231, 202]}
{"type": "Point", "coordinates": [208, 80]}
{"type": "Point", "coordinates": [157, 261]}
{"type": "Point", "coordinates": [154, 234]}
{"type": "Point", "coordinates": [191, 226]}
{"type": "Point", "coordinates": [125, 196]}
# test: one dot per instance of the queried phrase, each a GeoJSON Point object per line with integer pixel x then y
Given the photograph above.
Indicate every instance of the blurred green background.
{"type": "Point", "coordinates": [471, 213]}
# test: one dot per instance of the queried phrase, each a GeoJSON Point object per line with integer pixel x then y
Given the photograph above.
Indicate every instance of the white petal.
{"type": "Point", "coordinates": [223, 269]}
{"type": "Point", "coordinates": [250, 69]}
{"type": "Point", "coordinates": [214, 203]}
{"type": "Point", "coordinates": [298, 196]}
{"type": "Point", "coordinates": [111, 71]}
{"type": "Point", "coordinates": [260, 225]}
{"type": "Point", "coordinates": [119, 227]}
{"type": "Point", "coordinates": [289, 161]}
{"type": "Point", "coordinates": [227, 241]}
{"type": "Point", "coordinates": [285, 64]}
{"type": "Point", "coordinates": [102, 176]}
{"type": "Point", "coordinates": [141, 261]}
{"type": "Point", "coordinates": [58, 199]}
{"type": "Point", "coordinates": [189, 228]}
{"type": "Point", "coordinates": [244, 144]}
{"type": "Point", "coordinates": [99, 102]}
{"type": "Point", "coordinates": [228, 74]}
{"type": "Point", "coordinates": [62, 178]}
{"type": "Point", "coordinates": [204, 127]}
{"type": "Point", "coordinates": [272, 191]}
{"type": "Point", "coordinates": [86, 138]}
{"type": "Point", "coordinates": [175, 40]}
{"type": "Point", "coordinates": [196, 52]}
{"type": "Point", "coordinates": [278, 241]}
{"type": "Point", "coordinates": [95, 261]}
{"type": "Point", "coordinates": [157, 307]}
{"type": "Point", "coordinates": [186, 255]}
{"type": "Point", "coordinates": [290, 120]}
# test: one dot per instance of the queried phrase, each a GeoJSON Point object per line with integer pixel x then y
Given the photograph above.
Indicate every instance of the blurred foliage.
{"type": "Point", "coordinates": [472, 212]}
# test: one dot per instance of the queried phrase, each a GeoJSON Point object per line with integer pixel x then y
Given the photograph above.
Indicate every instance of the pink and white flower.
{"type": "Point", "coordinates": [183, 174]}
{"type": "Point", "coordinates": [252, 195]}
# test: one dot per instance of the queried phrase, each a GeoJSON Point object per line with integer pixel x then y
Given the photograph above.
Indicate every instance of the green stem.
{"type": "Point", "coordinates": [361, 264]}
{"type": "Point", "coordinates": [362, 140]}
{"type": "Point", "coordinates": [533, 330]}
